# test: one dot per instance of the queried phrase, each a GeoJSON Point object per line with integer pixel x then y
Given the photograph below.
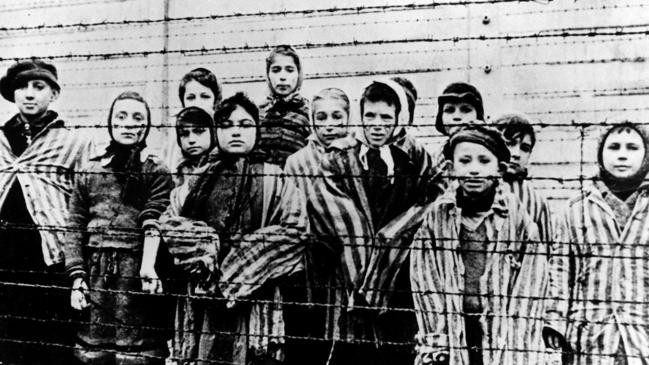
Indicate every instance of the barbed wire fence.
{"type": "Point", "coordinates": [574, 67]}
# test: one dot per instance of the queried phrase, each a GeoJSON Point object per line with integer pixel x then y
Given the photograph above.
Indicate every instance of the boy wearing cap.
{"type": "Point", "coordinates": [38, 157]}
{"type": "Point", "coordinates": [371, 180]}
{"type": "Point", "coordinates": [478, 272]}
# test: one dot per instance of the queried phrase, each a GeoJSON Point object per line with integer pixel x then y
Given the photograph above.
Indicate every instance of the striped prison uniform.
{"type": "Point", "coordinates": [369, 257]}
{"type": "Point", "coordinates": [45, 173]}
{"type": "Point", "coordinates": [599, 278]}
{"type": "Point", "coordinates": [512, 286]}
{"type": "Point", "coordinates": [268, 244]}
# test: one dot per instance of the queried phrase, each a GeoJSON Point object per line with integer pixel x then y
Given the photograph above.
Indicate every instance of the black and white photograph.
{"type": "Point", "coordinates": [358, 182]}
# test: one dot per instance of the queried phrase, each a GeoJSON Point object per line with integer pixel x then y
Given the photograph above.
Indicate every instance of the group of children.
{"type": "Point", "coordinates": [285, 236]}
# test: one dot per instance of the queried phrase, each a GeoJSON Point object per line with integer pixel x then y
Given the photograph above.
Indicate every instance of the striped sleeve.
{"type": "Point", "coordinates": [560, 272]}
{"type": "Point", "coordinates": [271, 251]}
{"type": "Point", "coordinates": [427, 280]}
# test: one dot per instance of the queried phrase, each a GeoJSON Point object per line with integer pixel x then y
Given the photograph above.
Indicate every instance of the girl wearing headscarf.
{"type": "Point", "coordinates": [285, 115]}
{"type": "Point", "coordinates": [317, 284]}
{"type": "Point", "coordinates": [243, 218]}
{"type": "Point", "coordinates": [196, 137]}
{"type": "Point", "coordinates": [365, 204]}
{"type": "Point", "coordinates": [478, 271]}
{"type": "Point", "coordinates": [599, 276]}
{"type": "Point", "coordinates": [112, 245]}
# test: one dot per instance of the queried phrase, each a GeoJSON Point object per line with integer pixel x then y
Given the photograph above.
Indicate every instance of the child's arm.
{"type": "Point", "coordinates": [160, 185]}
{"type": "Point", "coordinates": [559, 286]}
{"type": "Point", "coordinates": [75, 239]}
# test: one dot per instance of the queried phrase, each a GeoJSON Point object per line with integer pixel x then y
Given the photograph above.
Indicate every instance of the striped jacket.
{"type": "Point", "coordinates": [370, 257]}
{"type": "Point", "coordinates": [537, 206]}
{"type": "Point", "coordinates": [45, 172]}
{"type": "Point", "coordinates": [513, 284]}
{"type": "Point", "coordinates": [599, 279]}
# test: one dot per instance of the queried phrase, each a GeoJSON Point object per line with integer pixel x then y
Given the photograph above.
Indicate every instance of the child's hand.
{"type": "Point", "coordinates": [150, 281]}
{"type": "Point", "coordinates": [78, 296]}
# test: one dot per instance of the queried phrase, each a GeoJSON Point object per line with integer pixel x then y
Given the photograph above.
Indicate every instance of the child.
{"type": "Point", "coordinates": [114, 241]}
{"type": "Point", "coordinates": [285, 116]}
{"type": "Point", "coordinates": [460, 105]}
{"type": "Point", "coordinates": [199, 87]}
{"type": "Point", "coordinates": [196, 136]}
{"type": "Point", "coordinates": [520, 139]}
{"type": "Point", "coordinates": [38, 157]}
{"type": "Point", "coordinates": [477, 269]}
{"type": "Point", "coordinates": [330, 116]}
{"type": "Point", "coordinates": [598, 278]}
{"type": "Point", "coordinates": [370, 181]}
{"type": "Point", "coordinates": [248, 204]}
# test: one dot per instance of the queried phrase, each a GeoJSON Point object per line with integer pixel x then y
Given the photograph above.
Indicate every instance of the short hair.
{"type": "Point", "coordinates": [331, 93]}
{"type": "Point", "coordinates": [515, 126]}
{"type": "Point", "coordinates": [227, 106]}
{"type": "Point", "coordinates": [204, 77]}
{"type": "Point", "coordinates": [285, 50]}
{"type": "Point", "coordinates": [378, 91]}
{"type": "Point", "coordinates": [411, 94]}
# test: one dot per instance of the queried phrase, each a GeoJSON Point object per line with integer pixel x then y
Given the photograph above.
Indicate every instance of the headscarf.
{"type": "Point", "coordinates": [458, 92]}
{"type": "Point", "coordinates": [126, 160]}
{"type": "Point", "coordinates": [284, 50]}
{"type": "Point", "coordinates": [625, 186]}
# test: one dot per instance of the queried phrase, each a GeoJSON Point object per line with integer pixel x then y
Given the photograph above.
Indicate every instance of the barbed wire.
{"type": "Point", "coordinates": [332, 10]}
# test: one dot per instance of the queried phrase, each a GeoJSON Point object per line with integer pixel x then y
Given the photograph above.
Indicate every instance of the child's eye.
{"type": "Point", "coordinates": [226, 124]}
{"type": "Point", "coordinates": [526, 148]}
{"type": "Point", "coordinates": [338, 115]}
{"type": "Point", "coordinates": [290, 69]}
{"type": "Point", "coordinates": [120, 116]}
{"type": "Point", "coordinates": [465, 160]}
{"type": "Point", "coordinates": [321, 116]}
{"type": "Point", "coordinates": [369, 115]}
{"type": "Point", "coordinates": [190, 97]}
{"type": "Point", "coordinates": [484, 160]}
{"type": "Point", "coordinates": [183, 133]}
{"type": "Point", "coordinates": [614, 146]}
{"type": "Point", "coordinates": [198, 130]}
{"type": "Point", "coordinates": [449, 109]}
{"type": "Point", "coordinates": [275, 69]}
{"type": "Point", "coordinates": [466, 109]}
{"type": "Point", "coordinates": [206, 96]}
{"type": "Point", "coordinates": [247, 123]}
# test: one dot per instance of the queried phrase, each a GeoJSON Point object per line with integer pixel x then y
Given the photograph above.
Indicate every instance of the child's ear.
{"type": "Point", "coordinates": [55, 95]}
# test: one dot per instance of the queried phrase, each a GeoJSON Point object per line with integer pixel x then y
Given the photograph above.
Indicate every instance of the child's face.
{"type": "Point", "coordinates": [283, 75]}
{"type": "Point", "coordinates": [379, 122]}
{"type": "Point", "coordinates": [623, 152]}
{"type": "Point", "coordinates": [129, 120]}
{"type": "Point", "coordinates": [34, 97]}
{"type": "Point", "coordinates": [475, 167]}
{"type": "Point", "coordinates": [238, 133]}
{"type": "Point", "coordinates": [520, 149]}
{"type": "Point", "coordinates": [458, 114]}
{"type": "Point", "coordinates": [330, 120]}
{"type": "Point", "coordinates": [195, 140]}
{"type": "Point", "coordinates": [199, 95]}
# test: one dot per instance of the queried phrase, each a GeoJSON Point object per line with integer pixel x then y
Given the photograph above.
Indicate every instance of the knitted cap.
{"type": "Point", "coordinates": [490, 138]}
{"type": "Point", "coordinates": [23, 71]}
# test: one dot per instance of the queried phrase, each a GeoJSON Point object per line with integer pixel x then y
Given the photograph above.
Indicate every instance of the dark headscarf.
{"type": "Point", "coordinates": [126, 160]}
{"type": "Point", "coordinates": [624, 187]}
{"type": "Point", "coordinates": [458, 92]}
{"type": "Point", "coordinates": [222, 163]}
